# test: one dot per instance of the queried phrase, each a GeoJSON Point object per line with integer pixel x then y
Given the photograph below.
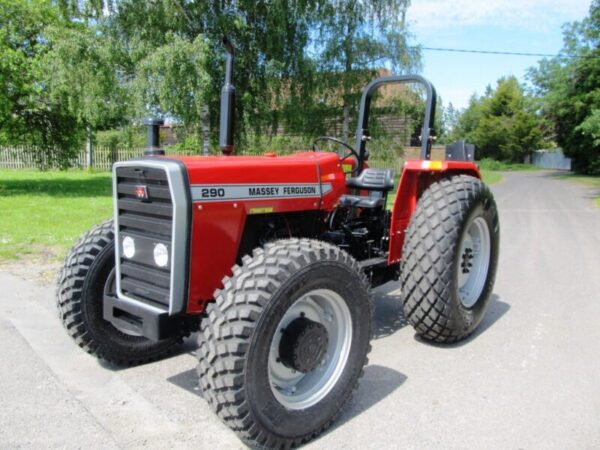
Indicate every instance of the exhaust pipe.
{"type": "Point", "coordinates": [153, 148]}
{"type": "Point", "coordinates": [227, 124]}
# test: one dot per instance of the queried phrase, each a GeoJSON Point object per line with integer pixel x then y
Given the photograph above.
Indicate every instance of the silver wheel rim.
{"type": "Point", "coordinates": [474, 261]}
{"type": "Point", "coordinates": [296, 390]}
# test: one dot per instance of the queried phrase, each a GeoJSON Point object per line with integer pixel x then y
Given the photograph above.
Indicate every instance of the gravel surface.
{"type": "Point", "coordinates": [528, 378]}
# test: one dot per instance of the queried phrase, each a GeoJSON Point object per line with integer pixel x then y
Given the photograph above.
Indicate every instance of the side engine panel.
{"type": "Point", "coordinates": [232, 197]}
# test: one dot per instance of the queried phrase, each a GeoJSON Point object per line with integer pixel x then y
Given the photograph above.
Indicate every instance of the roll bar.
{"type": "Point", "coordinates": [362, 131]}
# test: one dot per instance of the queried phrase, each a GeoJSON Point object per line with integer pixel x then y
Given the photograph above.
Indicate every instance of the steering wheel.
{"type": "Point", "coordinates": [315, 148]}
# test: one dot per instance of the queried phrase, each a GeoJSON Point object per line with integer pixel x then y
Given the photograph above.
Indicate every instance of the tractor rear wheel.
{"type": "Point", "coordinates": [285, 342]}
{"type": "Point", "coordinates": [449, 259]}
{"type": "Point", "coordinates": [89, 271]}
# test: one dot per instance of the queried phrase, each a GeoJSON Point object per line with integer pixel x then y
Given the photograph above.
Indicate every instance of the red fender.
{"type": "Point", "coordinates": [416, 177]}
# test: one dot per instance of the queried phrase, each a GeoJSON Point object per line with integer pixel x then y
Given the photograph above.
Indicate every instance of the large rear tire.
{"type": "Point", "coordinates": [449, 259]}
{"type": "Point", "coordinates": [285, 342]}
{"type": "Point", "coordinates": [89, 271]}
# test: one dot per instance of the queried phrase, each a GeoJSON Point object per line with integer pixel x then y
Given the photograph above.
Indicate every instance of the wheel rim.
{"type": "Point", "coordinates": [296, 390]}
{"type": "Point", "coordinates": [474, 261]}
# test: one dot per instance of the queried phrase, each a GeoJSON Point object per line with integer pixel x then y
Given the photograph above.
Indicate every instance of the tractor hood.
{"type": "Point", "coordinates": [314, 179]}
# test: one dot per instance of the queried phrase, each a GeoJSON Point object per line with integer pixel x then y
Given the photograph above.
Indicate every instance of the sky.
{"type": "Point", "coordinates": [526, 26]}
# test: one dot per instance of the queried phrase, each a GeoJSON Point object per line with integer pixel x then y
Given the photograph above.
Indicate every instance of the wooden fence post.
{"type": "Point", "coordinates": [89, 147]}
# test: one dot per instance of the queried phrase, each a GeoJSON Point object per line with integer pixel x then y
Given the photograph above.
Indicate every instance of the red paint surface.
{"type": "Point", "coordinates": [413, 181]}
{"type": "Point", "coordinates": [217, 227]}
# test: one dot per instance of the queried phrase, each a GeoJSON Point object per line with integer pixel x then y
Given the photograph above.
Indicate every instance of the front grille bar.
{"type": "Point", "coordinates": [163, 217]}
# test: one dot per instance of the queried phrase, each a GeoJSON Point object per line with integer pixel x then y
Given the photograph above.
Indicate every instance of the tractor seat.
{"type": "Point", "coordinates": [381, 180]}
{"type": "Point", "coordinates": [359, 201]}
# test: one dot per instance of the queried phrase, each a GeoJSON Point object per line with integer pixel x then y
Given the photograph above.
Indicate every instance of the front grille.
{"type": "Point", "coordinates": [148, 220]}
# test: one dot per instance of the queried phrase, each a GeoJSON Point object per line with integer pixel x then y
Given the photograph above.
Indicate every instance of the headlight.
{"type": "Point", "coordinates": [128, 247]}
{"type": "Point", "coordinates": [161, 255]}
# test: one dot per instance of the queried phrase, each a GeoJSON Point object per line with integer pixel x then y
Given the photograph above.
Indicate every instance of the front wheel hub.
{"type": "Point", "coordinates": [303, 345]}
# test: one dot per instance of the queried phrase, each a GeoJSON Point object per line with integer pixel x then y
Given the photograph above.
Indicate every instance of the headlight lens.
{"type": "Point", "coordinates": [161, 255]}
{"type": "Point", "coordinates": [128, 247]}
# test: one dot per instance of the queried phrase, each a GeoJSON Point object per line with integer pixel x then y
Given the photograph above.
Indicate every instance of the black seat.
{"type": "Point", "coordinates": [359, 201]}
{"type": "Point", "coordinates": [373, 180]}
{"type": "Point", "coordinates": [377, 181]}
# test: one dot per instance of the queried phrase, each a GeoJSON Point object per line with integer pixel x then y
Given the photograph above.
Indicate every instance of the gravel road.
{"type": "Point", "coordinates": [529, 377]}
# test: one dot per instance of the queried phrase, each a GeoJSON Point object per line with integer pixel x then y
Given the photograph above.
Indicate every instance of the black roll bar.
{"type": "Point", "coordinates": [362, 130]}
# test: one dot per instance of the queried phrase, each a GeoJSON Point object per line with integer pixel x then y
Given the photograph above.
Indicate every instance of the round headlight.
{"type": "Point", "coordinates": [128, 247]}
{"type": "Point", "coordinates": [161, 255]}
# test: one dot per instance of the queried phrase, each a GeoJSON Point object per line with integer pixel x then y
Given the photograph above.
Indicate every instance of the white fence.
{"type": "Point", "coordinates": [23, 157]}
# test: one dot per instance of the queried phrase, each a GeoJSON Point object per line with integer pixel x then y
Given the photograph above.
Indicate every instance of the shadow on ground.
{"type": "Point", "coordinates": [58, 187]}
{"type": "Point", "coordinates": [589, 191]}
{"type": "Point", "coordinates": [388, 316]}
{"type": "Point", "coordinates": [495, 311]}
{"type": "Point", "coordinates": [190, 345]}
{"type": "Point", "coordinates": [377, 383]}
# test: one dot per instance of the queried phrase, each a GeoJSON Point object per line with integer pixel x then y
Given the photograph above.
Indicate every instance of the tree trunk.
{"type": "Point", "coordinates": [89, 147]}
{"type": "Point", "coordinates": [205, 130]}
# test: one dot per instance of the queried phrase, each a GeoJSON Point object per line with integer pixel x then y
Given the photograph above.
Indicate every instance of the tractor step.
{"type": "Point", "coordinates": [371, 263]}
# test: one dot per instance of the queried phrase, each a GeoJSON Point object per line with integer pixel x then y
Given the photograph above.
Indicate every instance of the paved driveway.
{"type": "Point", "coordinates": [529, 378]}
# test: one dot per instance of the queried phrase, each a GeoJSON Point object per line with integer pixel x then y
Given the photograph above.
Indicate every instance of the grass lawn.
{"type": "Point", "coordinates": [588, 181]}
{"type": "Point", "coordinates": [43, 213]}
{"type": "Point", "coordinates": [487, 164]}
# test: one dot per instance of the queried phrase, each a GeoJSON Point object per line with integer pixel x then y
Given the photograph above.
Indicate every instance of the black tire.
{"type": "Point", "coordinates": [431, 258]}
{"type": "Point", "coordinates": [89, 270]}
{"type": "Point", "coordinates": [236, 338]}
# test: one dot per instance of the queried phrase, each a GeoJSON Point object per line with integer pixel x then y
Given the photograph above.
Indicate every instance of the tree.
{"type": "Point", "coordinates": [28, 113]}
{"type": "Point", "coordinates": [568, 87]}
{"type": "Point", "coordinates": [81, 76]}
{"type": "Point", "coordinates": [357, 37]}
{"type": "Point", "coordinates": [501, 123]}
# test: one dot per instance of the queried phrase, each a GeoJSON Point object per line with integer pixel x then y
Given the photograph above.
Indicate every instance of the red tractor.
{"type": "Point", "coordinates": [272, 258]}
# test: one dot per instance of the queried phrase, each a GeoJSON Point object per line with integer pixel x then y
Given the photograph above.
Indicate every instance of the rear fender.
{"type": "Point", "coordinates": [415, 179]}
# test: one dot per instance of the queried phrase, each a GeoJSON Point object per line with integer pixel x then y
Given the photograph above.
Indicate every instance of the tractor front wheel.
{"type": "Point", "coordinates": [449, 259]}
{"type": "Point", "coordinates": [285, 343]}
{"type": "Point", "coordinates": [89, 272]}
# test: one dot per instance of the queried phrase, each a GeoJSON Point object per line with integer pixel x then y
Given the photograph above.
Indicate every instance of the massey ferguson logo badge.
{"type": "Point", "coordinates": [141, 191]}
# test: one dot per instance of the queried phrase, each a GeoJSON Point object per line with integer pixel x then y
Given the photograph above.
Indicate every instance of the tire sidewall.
{"type": "Point", "coordinates": [263, 404]}
{"type": "Point", "coordinates": [482, 205]}
{"type": "Point", "coordinates": [96, 278]}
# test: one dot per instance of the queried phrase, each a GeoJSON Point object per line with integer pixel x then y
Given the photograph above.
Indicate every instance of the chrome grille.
{"type": "Point", "coordinates": [148, 220]}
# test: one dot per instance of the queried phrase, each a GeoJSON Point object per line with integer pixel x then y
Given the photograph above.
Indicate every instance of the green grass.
{"type": "Point", "coordinates": [490, 176]}
{"type": "Point", "coordinates": [499, 166]}
{"type": "Point", "coordinates": [43, 213]}
{"type": "Point", "coordinates": [592, 181]}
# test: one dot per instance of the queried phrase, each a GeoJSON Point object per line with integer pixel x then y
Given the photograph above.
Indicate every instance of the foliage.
{"type": "Point", "coordinates": [500, 166]}
{"type": "Point", "coordinates": [356, 38]}
{"type": "Point", "coordinates": [501, 123]}
{"type": "Point", "coordinates": [569, 90]}
{"type": "Point", "coordinates": [172, 79]}
{"type": "Point", "coordinates": [28, 114]}
{"type": "Point", "coordinates": [123, 137]}
{"type": "Point", "coordinates": [96, 65]}
{"type": "Point", "coordinates": [81, 75]}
